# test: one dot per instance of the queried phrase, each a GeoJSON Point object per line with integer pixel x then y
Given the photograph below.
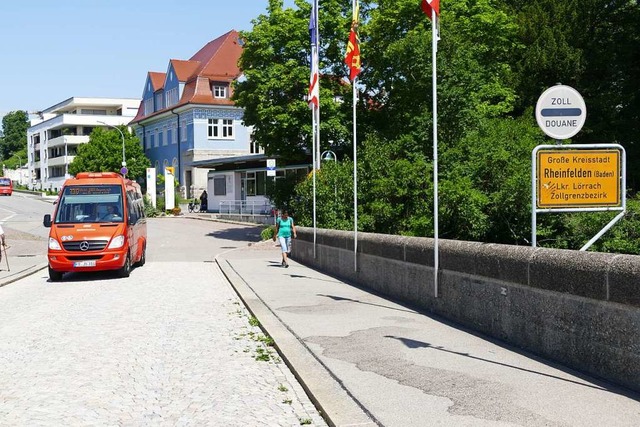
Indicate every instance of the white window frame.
{"type": "Point", "coordinates": [148, 106]}
{"type": "Point", "coordinates": [220, 128]}
{"type": "Point", "coordinates": [171, 97]}
{"type": "Point", "coordinates": [219, 91]}
{"type": "Point", "coordinates": [183, 131]}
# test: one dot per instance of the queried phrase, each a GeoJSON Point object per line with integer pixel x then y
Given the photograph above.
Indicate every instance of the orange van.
{"type": "Point", "coordinates": [98, 224]}
{"type": "Point", "coordinates": [6, 186]}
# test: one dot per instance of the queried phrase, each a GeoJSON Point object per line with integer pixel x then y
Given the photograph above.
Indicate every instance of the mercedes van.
{"type": "Point", "coordinates": [98, 224]}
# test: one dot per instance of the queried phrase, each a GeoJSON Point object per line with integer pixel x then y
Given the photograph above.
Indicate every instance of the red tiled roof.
{"type": "Point", "coordinates": [184, 69]}
{"type": "Point", "coordinates": [219, 57]}
{"type": "Point", "coordinates": [157, 80]}
{"type": "Point", "coordinates": [217, 61]}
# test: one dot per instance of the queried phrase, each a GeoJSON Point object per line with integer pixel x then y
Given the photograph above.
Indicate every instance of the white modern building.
{"type": "Point", "coordinates": [53, 137]}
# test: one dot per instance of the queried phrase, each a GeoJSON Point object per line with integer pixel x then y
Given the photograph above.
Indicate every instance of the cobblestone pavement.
{"type": "Point", "coordinates": [100, 350]}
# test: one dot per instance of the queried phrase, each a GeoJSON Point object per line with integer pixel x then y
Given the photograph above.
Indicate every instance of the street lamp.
{"type": "Point", "coordinates": [124, 160]}
{"type": "Point", "coordinates": [329, 155]}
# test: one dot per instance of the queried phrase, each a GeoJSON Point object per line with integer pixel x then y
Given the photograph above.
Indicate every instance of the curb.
{"type": "Point", "coordinates": [335, 404]}
{"type": "Point", "coordinates": [22, 274]}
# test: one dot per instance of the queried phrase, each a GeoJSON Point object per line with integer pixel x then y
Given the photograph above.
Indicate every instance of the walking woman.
{"type": "Point", "coordinates": [285, 227]}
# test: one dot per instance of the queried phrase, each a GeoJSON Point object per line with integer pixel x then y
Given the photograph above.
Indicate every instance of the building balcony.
{"type": "Point", "coordinates": [59, 161]}
{"type": "Point", "coordinates": [67, 140]}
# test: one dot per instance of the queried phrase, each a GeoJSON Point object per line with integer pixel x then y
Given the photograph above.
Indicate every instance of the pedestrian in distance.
{"type": "Point", "coordinates": [2, 242]}
{"type": "Point", "coordinates": [285, 228]}
{"type": "Point", "coordinates": [204, 203]}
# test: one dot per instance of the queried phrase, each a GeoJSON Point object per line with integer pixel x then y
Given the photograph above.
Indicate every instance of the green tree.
{"type": "Point", "coordinates": [275, 63]}
{"type": "Point", "coordinates": [14, 130]}
{"type": "Point", "coordinates": [103, 153]}
{"type": "Point", "coordinates": [592, 46]}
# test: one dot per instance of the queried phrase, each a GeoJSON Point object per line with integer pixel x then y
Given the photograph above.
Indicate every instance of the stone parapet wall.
{"type": "Point", "coordinates": [578, 308]}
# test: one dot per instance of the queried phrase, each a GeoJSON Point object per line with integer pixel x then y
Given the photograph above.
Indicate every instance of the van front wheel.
{"type": "Point", "coordinates": [55, 276]}
{"type": "Point", "coordinates": [125, 271]}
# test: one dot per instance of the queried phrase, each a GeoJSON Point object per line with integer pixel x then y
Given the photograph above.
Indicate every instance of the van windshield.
{"type": "Point", "coordinates": [90, 203]}
{"type": "Point", "coordinates": [5, 182]}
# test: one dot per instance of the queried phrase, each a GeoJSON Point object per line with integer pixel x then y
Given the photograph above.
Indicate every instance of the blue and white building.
{"type": "Point", "coordinates": [187, 117]}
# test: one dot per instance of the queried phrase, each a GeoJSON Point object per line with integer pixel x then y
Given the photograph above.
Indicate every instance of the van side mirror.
{"type": "Point", "coordinates": [47, 220]}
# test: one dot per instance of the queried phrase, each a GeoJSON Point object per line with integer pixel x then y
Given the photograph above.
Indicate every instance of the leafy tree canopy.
{"type": "Point", "coordinates": [103, 153]}
{"type": "Point", "coordinates": [14, 130]}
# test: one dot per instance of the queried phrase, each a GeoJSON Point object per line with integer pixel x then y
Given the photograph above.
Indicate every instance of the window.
{"type": "Point", "coordinates": [220, 186]}
{"type": "Point", "coordinates": [171, 97]}
{"type": "Point", "coordinates": [164, 136]}
{"type": "Point", "coordinates": [148, 140]}
{"type": "Point", "coordinates": [254, 147]}
{"type": "Point", "coordinates": [159, 105]}
{"type": "Point", "coordinates": [94, 112]}
{"type": "Point", "coordinates": [220, 129]}
{"type": "Point", "coordinates": [148, 106]}
{"type": "Point", "coordinates": [261, 184]}
{"type": "Point", "coordinates": [219, 91]}
{"type": "Point", "coordinates": [251, 184]}
{"type": "Point", "coordinates": [183, 131]}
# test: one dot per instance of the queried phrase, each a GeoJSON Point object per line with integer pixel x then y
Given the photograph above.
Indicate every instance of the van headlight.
{"type": "Point", "coordinates": [116, 242]}
{"type": "Point", "coordinates": [53, 244]}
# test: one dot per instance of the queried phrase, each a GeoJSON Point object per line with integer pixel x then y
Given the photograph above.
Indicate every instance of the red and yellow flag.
{"type": "Point", "coordinates": [352, 59]}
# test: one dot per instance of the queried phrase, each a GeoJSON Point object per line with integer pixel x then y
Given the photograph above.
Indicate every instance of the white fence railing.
{"type": "Point", "coordinates": [245, 207]}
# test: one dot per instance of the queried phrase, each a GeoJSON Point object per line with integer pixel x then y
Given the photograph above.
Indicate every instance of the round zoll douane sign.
{"type": "Point", "coordinates": [561, 112]}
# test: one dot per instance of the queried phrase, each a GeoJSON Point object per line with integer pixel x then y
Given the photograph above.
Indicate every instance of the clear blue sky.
{"type": "Point", "coordinates": [53, 50]}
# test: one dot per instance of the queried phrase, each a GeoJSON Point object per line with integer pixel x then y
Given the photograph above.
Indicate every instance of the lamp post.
{"type": "Point", "coordinates": [330, 155]}
{"type": "Point", "coordinates": [124, 160]}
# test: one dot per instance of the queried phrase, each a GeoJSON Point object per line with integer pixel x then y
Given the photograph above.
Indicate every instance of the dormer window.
{"type": "Point", "coordinates": [219, 91]}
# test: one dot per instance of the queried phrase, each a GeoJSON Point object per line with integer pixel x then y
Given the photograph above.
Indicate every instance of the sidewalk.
{"type": "Point", "coordinates": [366, 360]}
{"type": "Point", "coordinates": [26, 253]}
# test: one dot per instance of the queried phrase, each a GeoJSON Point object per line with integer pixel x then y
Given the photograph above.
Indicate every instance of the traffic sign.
{"type": "Point", "coordinates": [561, 112]}
{"type": "Point", "coordinates": [578, 178]}
{"type": "Point", "coordinates": [271, 167]}
{"type": "Point", "coordinates": [124, 170]}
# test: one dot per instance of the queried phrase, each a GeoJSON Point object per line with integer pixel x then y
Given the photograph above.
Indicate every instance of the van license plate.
{"type": "Point", "coordinates": [89, 263]}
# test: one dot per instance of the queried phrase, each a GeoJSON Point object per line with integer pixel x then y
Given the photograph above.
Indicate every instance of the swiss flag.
{"type": "Point", "coordinates": [429, 5]}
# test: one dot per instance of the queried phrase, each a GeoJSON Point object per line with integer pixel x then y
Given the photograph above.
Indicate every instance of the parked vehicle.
{"type": "Point", "coordinates": [98, 224]}
{"type": "Point", "coordinates": [6, 186]}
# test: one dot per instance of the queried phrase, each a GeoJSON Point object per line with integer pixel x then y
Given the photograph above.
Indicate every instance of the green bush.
{"type": "Point", "coordinates": [149, 210]}
{"type": "Point", "coordinates": [268, 232]}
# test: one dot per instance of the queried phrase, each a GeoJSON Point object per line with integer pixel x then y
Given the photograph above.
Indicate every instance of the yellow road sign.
{"type": "Point", "coordinates": [578, 178]}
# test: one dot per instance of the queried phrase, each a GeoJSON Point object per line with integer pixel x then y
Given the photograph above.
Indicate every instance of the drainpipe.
{"type": "Point", "coordinates": [144, 138]}
{"type": "Point", "coordinates": [179, 152]}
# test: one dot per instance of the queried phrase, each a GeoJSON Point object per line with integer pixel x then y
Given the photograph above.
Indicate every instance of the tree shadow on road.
{"type": "Point", "coordinates": [243, 234]}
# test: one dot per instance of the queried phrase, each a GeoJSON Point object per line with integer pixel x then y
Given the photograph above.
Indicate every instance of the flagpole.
{"type": "Point", "coordinates": [355, 181]}
{"type": "Point", "coordinates": [317, 30]}
{"type": "Point", "coordinates": [434, 48]}
{"type": "Point", "coordinates": [314, 103]}
{"type": "Point", "coordinates": [313, 112]}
